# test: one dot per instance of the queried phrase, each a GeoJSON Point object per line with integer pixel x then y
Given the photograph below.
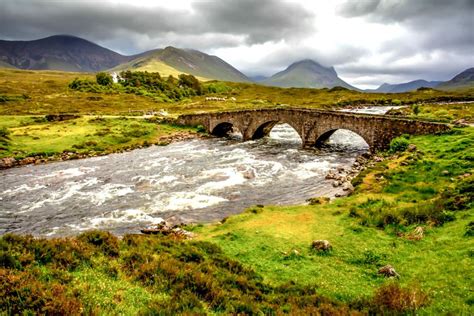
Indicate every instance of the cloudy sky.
{"type": "Point", "coordinates": [368, 41]}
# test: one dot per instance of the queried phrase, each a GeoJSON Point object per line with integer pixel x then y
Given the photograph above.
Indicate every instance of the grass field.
{"type": "Point", "coordinates": [261, 261]}
{"type": "Point", "coordinates": [31, 136]}
{"type": "Point", "coordinates": [372, 228]}
{"type": "Point", "coordinates": [266, 263]}
{"type": "Point", "coordinates": [47, 92]}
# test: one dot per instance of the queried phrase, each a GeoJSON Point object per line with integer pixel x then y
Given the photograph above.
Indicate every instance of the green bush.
{"type": "Point", "coordinates": [398, 144]}
{"type": "Point", "coordinates": [4, 132]}
{"type": "Point", "coordinates": [105, 241]}
{"type": "Point", "coordinates": [104, 79]}
{"type": "Point", "coordinates": [469, 230]}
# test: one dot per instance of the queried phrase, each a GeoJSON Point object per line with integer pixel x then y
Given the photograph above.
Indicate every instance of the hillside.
{"type": "Point", "coordinates": [4, 64]}
{"type": "Point", "coordinates": [173, 61]}
{"type": "Point", "coordinates": [405, 87]}
{"type": "Point", "coordinates": [307, 74]}
{"type": "Point", "coordinates": [59, 52]}
{"type": "Point", "coordinates": [462, 80]}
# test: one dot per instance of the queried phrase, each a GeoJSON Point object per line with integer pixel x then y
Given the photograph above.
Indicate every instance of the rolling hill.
{"type": "Point", "coordinates": [405, 87]}
{"type": "Point", "coordinates": [307, 74]}
{"type": "Point", "coordinates": [59, 52]}
{"type": "Point", "coordinates": [462, 80]}
{"type": "Point", "coordinates": [174, 61]}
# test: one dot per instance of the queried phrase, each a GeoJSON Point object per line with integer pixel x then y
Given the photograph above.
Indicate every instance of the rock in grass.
{"type": "Point", "coordinates": [388, 271]}
{"type": "Point", "coordinates": [318, 200]}
{"type": "Point", "coordinates": [321, 245]}
{"type": "Point", "coordinates": [412, 147]}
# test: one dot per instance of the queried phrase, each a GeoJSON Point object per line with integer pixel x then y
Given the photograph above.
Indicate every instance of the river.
{"type": "Point", "coordinates": [196, 180]}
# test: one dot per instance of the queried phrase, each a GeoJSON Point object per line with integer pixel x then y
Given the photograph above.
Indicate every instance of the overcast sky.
{"type": "Point", "coordinates": [368, 41]}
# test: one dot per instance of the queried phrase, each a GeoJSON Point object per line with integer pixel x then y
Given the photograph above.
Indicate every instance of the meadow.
{"type": "Point", "coordinates": [414, 210]}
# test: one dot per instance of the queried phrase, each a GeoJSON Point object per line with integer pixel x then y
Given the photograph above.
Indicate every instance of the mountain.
{"type": "Point", "coordinates": [463, 80]}
{"type": "Point", "coordinates": [405, 87]}
{"type": "Point", "coordinates": [59, 52]}
{"type": "Point", "coordinates": [174, 61]}
{"type": "Point", "coordinates": [307, 74]}
{"type": "Point", "coordinates": [258, 78]}
{"type": "Point", "coordinates": [6, 65]}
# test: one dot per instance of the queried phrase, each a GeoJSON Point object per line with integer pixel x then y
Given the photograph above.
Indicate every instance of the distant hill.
{"type": "Point", "coordinates": [59, 52]}
{"type": "Point", "coordinates": [173, 61]}
{"type": "Point", "coordinates": [463, 80]}
{"type": "Point", "coordinates": [405, 87]}
{"type": "Point", "coordinates": [258, 78]}
{"type": "Point", "coordinates": [6, 65]}
{"type": "Point", "coordinates": [307, 74]}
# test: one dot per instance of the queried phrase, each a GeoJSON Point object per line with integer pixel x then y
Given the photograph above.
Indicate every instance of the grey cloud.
{"type": "Point", "coordinates": [237, 22]}
{"type": "Point", "coordinates": [262, 20]}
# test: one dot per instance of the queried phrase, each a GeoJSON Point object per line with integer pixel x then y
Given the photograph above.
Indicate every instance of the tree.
{"type": "Point", "coordinates": [104, 79]}
{"type": "Point", "coordinates": [190, 81]}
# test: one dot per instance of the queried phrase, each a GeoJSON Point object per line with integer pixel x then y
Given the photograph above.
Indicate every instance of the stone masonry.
{"type": "Point", "coordinates": [313, 126]}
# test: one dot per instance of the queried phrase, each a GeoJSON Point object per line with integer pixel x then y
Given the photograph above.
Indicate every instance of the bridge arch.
{"type": "Point", "coordinates": [323, 137]}
{"type": "Point", "coordinates": [263, 128]}
{"type": "Point", "coordinates": [224, 128]}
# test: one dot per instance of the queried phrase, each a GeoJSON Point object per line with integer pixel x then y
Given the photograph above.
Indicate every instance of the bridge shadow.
{"type": "Point", "coordinates": [227, 130]}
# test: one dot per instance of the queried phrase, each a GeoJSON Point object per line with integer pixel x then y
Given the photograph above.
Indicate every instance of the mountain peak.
{"type": "Point", "coordinates": [307, 73]}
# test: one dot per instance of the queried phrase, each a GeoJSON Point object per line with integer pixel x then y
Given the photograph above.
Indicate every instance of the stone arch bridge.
{"type": "Point", "coordinates": [313, 126]}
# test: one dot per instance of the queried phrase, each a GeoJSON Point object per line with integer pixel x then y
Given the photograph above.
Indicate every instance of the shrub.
{"type": "Point", "coordinates": [4, 132]}
{"type": "Point", "coordinates": [22, 294]}
{"type": "Point", "coordinates": [416, 109]}
{"type": "Point", "coordinates": [398, 144]}
{"type": "Point", "coordinates": [105, 241]}
{"type": "Point", "coordinates": [104, 79]}
{"type": "Point", "coordinates": [469, 230]}
{"type": "Point", "coordinates": [392, 298]}
{"type": "Point", "coordinates": [85, 85]}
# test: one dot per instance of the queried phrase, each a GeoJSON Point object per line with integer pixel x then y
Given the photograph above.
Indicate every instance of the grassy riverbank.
{"type": "Point", "coordinates": [431, 188]}
{"type": "Point", "coordinates": [27, 98]}
{"type": "Point", "coordinates": [35, 136]}
{"type": "Point", "coordinates": [262, 259]}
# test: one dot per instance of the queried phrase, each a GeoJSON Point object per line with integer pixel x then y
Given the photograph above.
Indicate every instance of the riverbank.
{"type": "Point", "coordinates": [413, 210]}
{"type": "Point", "coordinates": [37, 140]}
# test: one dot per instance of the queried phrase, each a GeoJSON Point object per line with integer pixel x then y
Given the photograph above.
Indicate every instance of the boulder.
{"type": "Point", "coordinates": [331, 175]}
{"type": "Point", "coordinates": [445, 172]}
{"type": "Point", "coordinates": [388, 271]}
{"type": "Point", "coordinates": [248, 174]}
{"type": "Point", "coordinates": [412, 147]}
{"type": "Point", "coordinates": [321, 245]}
{"type": "Point", "coordinates": [318, 200]}
{"type": "Point", "coordinates": [347, 186]}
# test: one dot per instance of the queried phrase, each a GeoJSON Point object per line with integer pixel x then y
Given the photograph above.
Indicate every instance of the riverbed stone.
{"type": "Point", "coordinates": [7, 162]}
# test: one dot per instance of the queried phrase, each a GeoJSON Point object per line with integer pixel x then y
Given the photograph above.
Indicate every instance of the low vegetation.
{"type": "Point", "coordinates": [414, 211]}
{"type": "Point", "coordinates": [48, 92]}
{"type": "Point", "coordinates": [35, 136]}
{"type": "Point", "coordinates": [96, 273]}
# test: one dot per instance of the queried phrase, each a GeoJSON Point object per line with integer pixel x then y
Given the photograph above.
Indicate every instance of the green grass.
{"type": "Point", "coordinates": [32, 136]}
{"type": "Point", "coordinates": [261, 260]}
{"type": "Point", "coordinates": [47, 92]}
{"type": "Point", "coordinates": [440, 263]}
